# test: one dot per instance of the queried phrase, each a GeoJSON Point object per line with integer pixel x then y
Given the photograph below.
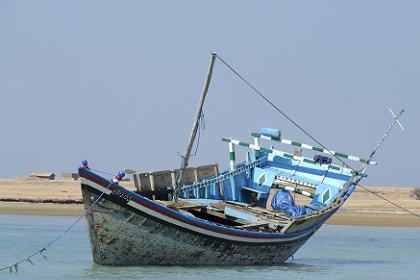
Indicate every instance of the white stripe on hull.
{"type": "Point", "coordinates": [94, 185]}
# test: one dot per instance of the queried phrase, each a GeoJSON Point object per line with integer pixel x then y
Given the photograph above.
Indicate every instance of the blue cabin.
{"type": "Point", "coordinates": [263, 169]}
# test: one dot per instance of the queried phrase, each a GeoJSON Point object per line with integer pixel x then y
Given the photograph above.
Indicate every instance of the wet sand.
{"type": "Point", "coordinates": [40, 209]}
{"type": "Point", "coordinates": [374, 219]}
{"type": "Point", "coordinates": [63, 198]}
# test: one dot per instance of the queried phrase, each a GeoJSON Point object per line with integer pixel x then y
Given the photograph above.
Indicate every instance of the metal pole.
{"type": "Point", "coordinates": [186, 158]}
{"type": "Point", "coordinates": [372, 154]}
{"type": "Point", "coordinates": [396, 120]}
{"type": "Point", "coordinates": [232, 156]}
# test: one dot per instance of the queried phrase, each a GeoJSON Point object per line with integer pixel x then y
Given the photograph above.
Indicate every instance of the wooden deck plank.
{"type": "Point", "coordinates": [253, 225]}
{"type": "Point", "coordinates": [261, 212]}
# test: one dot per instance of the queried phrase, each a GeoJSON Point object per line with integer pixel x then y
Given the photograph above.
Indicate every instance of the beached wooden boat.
{"type": "Point", "coordinates": [127, 228]}
{"type": "Point", "coordinates": [201, 216]}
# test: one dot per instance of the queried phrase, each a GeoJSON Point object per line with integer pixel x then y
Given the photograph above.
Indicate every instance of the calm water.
{"type": "Point", "coordinates": [335, 252]}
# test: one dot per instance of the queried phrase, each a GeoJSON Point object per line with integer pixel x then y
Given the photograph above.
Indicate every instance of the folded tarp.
{"type": "Point", "coordinates": [284, 202]}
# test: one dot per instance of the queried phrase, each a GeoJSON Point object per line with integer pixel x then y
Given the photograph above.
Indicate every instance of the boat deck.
{"type": "Point", "coordinates": [236, 215]}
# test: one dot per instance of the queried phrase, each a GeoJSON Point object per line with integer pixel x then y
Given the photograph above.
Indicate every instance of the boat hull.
{"type": "Point", "coordinates": [119, 236]}
{"type": "Point", "coordinates": [126, 228]}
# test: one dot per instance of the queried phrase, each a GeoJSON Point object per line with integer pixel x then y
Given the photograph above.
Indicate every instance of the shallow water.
{"type": "Point", "coordinates": [335, 252]}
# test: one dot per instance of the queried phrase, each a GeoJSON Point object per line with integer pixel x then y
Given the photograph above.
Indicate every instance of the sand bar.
{"type": "Point", "coordinates": [63, 197]}
{"type": "Point", "coordinates": [40, 209]}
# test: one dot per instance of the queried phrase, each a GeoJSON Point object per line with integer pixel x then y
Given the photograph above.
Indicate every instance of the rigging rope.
{"type": "Point", "coordinates": [389, 201]}
{"type": "Point", "coordinates": [103, 172]}
{"type": "Point", "coordinates": [282, 112]}
{"type": "Point", "coordinates": [314, 139]}
{"type": "Point", "coordinates": [44, 248]}
{"type": "Point", "coordinates": [386, 134]}
{"type": "Point", "coordinates": [201, 126]}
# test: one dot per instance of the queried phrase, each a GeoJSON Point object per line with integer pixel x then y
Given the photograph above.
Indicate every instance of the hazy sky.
{"type": "Point", "coordinates": [117, 82]}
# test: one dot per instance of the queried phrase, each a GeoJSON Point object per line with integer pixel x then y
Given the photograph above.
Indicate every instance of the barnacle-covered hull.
{"type": "Point", "coordinates": [128, 229]}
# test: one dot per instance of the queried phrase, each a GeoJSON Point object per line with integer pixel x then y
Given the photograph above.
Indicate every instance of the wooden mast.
{"type": "Point", "coordinates": [185, 159]}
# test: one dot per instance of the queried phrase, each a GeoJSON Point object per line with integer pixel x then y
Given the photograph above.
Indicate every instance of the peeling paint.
{"type": "Point", "coordinates": [121, 237]}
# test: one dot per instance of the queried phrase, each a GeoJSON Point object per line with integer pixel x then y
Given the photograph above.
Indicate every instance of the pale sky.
{"type": "Point", "coordinates": [117, 82]}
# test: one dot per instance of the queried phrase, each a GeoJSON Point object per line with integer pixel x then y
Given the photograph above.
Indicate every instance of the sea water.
{"type": "Point", "coordinates": [334, 252]}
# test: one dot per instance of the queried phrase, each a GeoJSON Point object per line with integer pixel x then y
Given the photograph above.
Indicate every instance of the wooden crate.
{"type": "Point", "coordinates": [160, 184]}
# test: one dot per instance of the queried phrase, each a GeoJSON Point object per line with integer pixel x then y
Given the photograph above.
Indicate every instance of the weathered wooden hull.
{"type": "Point", "coordinates": [122, 233]}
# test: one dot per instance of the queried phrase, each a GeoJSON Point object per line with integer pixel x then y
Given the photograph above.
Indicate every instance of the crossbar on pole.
{"type": "Point", "coordinates": [313, 148]}
{"type": "Point", "coordinates": [283, 154]}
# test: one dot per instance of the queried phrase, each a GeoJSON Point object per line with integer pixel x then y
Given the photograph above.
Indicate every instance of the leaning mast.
{"type": "Point", "coordinates": [186, 157]}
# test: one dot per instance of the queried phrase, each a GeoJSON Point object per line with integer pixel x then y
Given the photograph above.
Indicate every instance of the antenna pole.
{"type": "Point", "coordinates": [372, 154]}
{"type": "Point", "coordinates": [396, 120]}
{"type": "Point", "coordinates": [185, 159]}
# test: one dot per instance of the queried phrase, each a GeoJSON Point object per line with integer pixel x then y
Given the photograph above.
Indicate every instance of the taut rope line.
{"type": "Point", "coordinates": [254, 89]}
{"type": "Point", "coordinates": [41, 252]}
{"type": "Point", "coordinates": [281, 112]}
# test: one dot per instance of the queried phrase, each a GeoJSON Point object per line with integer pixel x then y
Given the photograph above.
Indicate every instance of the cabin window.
{"type": "Point", "coordinates": [326, 196]}
{"type": "Point", "coordinates": [261, 179]}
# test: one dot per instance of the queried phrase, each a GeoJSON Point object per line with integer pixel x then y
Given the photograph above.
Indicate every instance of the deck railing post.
{"type": "Point", "coordinates": [232, 156]}
{"type": "Point", "coordinates": [257, 143]}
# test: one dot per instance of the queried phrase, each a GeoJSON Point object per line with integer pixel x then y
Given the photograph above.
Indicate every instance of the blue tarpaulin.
{"type": "Point", "coordinates": [313, 207]}
{"type": "Point", "coordinates": [283, 201]}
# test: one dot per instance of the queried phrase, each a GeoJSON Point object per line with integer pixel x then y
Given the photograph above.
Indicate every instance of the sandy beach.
{"type": "Point", "coordinates": [63, 197]}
